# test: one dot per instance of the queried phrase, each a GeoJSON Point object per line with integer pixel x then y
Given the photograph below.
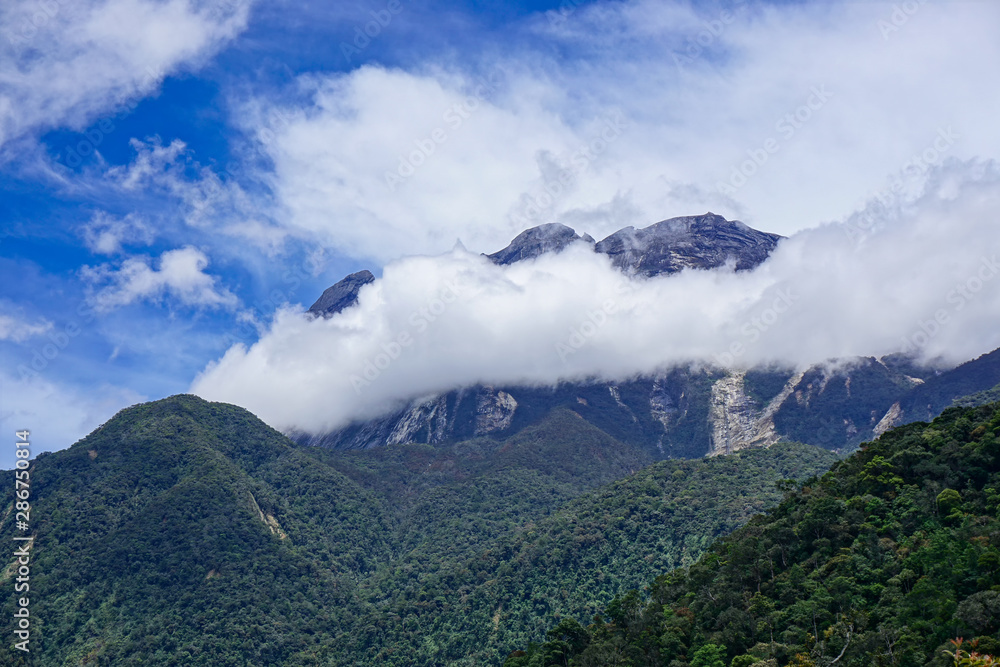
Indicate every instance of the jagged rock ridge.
{"type": "Point", "coordinates": [702, 242]}
{"type": "Point", "coordinates": [342, 295]}
{"type": "Point", "coordinates": [531, 243]}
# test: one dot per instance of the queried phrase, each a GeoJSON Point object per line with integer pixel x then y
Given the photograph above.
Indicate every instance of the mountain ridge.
{"type": "Point", "coordinates": [685, 411]}
{"type": "Point", "coordinates": [700, 241]}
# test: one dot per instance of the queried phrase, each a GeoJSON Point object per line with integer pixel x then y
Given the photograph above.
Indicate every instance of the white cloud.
{"type": "Point", "coordinates": [700, 96]}
{"type": "Point", "coordinates": [15, 327]}
{"type": "Point", "coordinates": [180, 275]}
{"type": "Point", "coordinates": [105, 234]}
{"type": "Point", "coordinates": [926, 277]}
{"type": "Point", "coordinates": [358, 172]}
{"type": "Point", "coordinates": [62, 63]}
{"type": "Point", "coordinates": [57, 415]}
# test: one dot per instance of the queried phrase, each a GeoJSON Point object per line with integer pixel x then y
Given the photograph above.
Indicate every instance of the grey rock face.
{"type": "Point", "coordinates": [494, 411]}
{"type": "Point", "coordinates": [429, 415]}
{"type": "Point", "coordinates": [673, 414]}
{"type": "Point", "coordinates": [551, 237]}
{"type": "Point", "coordinates": [342, 295]}
{"type": "Point", "coordinates": [702, 242]}
{"type": "Point", "coordinates": [737, 422]}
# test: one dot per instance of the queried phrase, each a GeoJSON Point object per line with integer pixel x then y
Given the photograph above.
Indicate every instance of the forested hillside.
{"type": "Point", "coordinates": [184, 532]}
{"type": "Point", "coordinates": [881, 561]}
{"type": "Point", "coordinates": [441, 609]}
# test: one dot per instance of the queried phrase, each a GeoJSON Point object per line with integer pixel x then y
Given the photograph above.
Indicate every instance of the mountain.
{"type": "Point", "coordinates": [692, 412]}
{"type": "Point", "coordinates": [184, 532]}
{"type": "Point", "coordinates": [991, 395]}
{"type": "Point", "coordinates": [681, 412]}
{"type": "Point", "coordinates": [665, 416]}
{"type": "Point", "coordinates": [700, 242]}
{"type": "Point", "coordinates": [703, 242]}
{"type": "Point", "coordinates": [881, 561]}
{"type": "Point", "coordinates": [579, 558]}
{"type": "Point", "coordinates": [171, 536]}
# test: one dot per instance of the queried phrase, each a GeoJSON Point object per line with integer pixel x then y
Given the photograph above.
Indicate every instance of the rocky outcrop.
{"type": "Point", "coordinates": [268, 520]}
{"type": "Point", "coordinates": [494, 411]}
{"type": "Point", "coordinates": [891, 419]}
{"type": "Point", "coordinates": [342, 295]}
{"type": "Point", "coordinates": [732, 414]}
{"type": "Point", "coordinates": [701, 242]}
{"type": "Point", "coordinates": [551, 237]}
{"type": "Point", "coordinates": [428, 416]}
{"type": "Point", "coordinates": [737, 421]}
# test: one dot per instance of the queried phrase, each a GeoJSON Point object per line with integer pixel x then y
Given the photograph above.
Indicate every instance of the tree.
{"type": "Point", "coordinates": [710, 655]}
{"type": "Point", "coordinates": [948, 501]}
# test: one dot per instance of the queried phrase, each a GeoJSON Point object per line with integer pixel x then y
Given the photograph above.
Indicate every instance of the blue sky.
{"type": "Point", "coordinates": [174, 173]}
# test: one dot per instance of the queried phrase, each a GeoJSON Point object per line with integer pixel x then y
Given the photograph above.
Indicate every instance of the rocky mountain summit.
{"type": "Point", "coordinates": [531, 243]}
{"type": "Point", "coordinates": [342, 295]}
{"type": "Point", "coordinates": [698, 242]}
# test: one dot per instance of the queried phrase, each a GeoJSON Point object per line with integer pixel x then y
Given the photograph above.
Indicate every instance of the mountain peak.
{"type": "Point", "coordinates": [700, 241]}
{"type": "Point", "coordinates": [342, 295]}
{"type": "Point", "coordinates": [550, 237]}
{"type": "Point", "coordinates": [696, 241]}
